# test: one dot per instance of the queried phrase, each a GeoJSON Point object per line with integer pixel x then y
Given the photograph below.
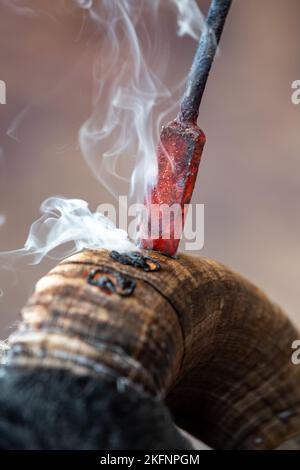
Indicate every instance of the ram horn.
{"type": "Point", "coordinates": [188, 330]}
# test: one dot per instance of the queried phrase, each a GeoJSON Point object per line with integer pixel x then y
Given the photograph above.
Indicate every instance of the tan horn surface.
{"type": "Point", "coordinates": [194, 332]}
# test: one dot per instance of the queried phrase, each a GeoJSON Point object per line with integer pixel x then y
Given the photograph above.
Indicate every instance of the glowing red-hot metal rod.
{"type": "Point", "coordinates": [180, 147]}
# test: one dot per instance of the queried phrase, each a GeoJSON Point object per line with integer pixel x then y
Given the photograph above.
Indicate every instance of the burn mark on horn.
{"type": "Point", "coordinates": [134, 258]}
{"type": "Point", "coordinates": [111, 281]}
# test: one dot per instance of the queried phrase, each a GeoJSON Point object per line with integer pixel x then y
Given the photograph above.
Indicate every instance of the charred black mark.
{"type": "Point", "coordinates": [111, 281]}
{"type": "Point", "coordinates": [134, 258]}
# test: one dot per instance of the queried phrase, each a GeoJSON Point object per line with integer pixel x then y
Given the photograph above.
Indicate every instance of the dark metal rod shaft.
{"type": "Point", "coordinates": [189, 108]}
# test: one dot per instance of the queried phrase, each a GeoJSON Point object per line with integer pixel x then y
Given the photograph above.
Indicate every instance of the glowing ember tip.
{"type": "Point", "coordinates": [180, 148]}
{"type": "Point", "coordinates": [179, 153]}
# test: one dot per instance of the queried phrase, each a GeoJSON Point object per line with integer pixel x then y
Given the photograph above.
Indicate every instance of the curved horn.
{"type": "Point", "coordinates": [193, 332]}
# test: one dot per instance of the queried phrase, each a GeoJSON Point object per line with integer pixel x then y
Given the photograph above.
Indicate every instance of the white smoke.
{"type": "Point", "coordinates": [130, 89]}
{"type": "Point", "coordinates": [71, 221]}
{"type": "Point", "coordinates": [190, 20]}
{"type": "Point", "coordinates": [68, 223]}
{"type": "Point", "coordinates": [119, 139]}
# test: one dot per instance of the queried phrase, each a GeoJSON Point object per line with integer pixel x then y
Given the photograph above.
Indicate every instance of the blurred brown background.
{"type": "Point", "coordinates": [250, 172]}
